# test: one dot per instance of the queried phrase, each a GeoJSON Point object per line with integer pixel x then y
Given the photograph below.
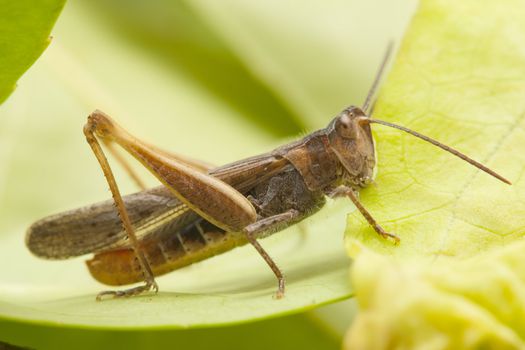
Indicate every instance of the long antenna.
{"type": "Point", "coordinates": [379, 74]}
{"type": "Point", "coordinates": [440, 145]}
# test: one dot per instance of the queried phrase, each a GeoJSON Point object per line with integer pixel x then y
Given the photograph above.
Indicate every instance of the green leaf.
{"type": "Point", "coordinates": [458, 78]}
{"type": "Point", "coordinates": [47, 168]}
{"type": "Point", "coordinates": [283, 333]}
{"type": "Point", "coordinates": [24, 35]}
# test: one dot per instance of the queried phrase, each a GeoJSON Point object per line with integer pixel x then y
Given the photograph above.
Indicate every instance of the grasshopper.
{"type": "Point", "coordinates": [201, 211]}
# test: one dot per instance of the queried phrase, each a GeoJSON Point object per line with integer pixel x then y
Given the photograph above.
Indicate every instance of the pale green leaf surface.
{"type": "Point", "coordinates": [459, 78]}
{"type": "Point", "coordinates": [476, 303]}
{"type": "Point", "coordinates": [24, 34]}
{"type": "Point", "coordinates": [457, 279]}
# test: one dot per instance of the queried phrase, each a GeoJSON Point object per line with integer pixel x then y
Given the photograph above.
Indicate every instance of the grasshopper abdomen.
{"type": "Point", "coordinates": [198, 241]}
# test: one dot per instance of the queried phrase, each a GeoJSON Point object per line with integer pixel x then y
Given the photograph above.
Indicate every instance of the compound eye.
{"type": "Point", "coordinates": [345, 126]}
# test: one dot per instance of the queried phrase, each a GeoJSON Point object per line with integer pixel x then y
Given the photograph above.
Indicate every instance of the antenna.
{"type": "Point", "coordinates": [440, 145]}
{"type": "Point", "coordinates": [379, 74]}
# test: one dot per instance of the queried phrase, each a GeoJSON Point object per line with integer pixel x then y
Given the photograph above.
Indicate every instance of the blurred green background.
{"type": "Point", "coordinates": [217, 81]}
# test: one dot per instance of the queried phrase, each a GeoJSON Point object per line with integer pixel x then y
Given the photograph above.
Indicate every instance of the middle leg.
{"type": "Point", "coordinates": [261, 228]}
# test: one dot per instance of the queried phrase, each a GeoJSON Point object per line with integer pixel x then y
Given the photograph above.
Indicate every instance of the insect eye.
{"type": "Point", "coordinates": [345, 128]}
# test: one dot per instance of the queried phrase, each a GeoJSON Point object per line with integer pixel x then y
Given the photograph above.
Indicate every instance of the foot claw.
{"type": "Point", "coordinates": [386, 235]}
{"type": "Point", "coordinates": [280, 291]}
{"type": "Point", "coordinates": [101, 295]}
{"type": "Point", "coordinates": [391, 236]}
{"type": "Point", "coordinates": [279, 295]}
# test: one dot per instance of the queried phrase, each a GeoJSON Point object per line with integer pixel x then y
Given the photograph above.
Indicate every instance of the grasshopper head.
{"type": "Point", "coordinates": [351, 140]}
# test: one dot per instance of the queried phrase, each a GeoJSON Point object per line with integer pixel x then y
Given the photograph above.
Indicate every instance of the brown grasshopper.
{"type": "Point", "coordinates": [201, 211]}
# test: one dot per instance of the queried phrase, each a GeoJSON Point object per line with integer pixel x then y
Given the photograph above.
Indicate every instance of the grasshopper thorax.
{"type": "Point", "coordinates": [351, 140]}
